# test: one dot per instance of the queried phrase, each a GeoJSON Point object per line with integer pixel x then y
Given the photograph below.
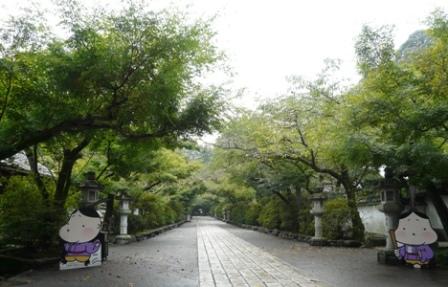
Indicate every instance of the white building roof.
{"type": "Point", "coordinates": [20, 161]}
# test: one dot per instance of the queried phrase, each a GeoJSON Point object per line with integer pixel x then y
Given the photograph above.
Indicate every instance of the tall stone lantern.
{"type": "Point", "coordinates": [90, 189]}
{"type": "Point", "coordinates": [317, 211]}
{"type": "Point", "coordinates": [124, 211]}
{"type": "Point", "coordinates": [391, 207]}
{"type": "Point", "coordinates": [90, 195]}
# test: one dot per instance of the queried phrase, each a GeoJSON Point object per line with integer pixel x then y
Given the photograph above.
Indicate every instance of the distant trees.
{"type": "Point", "coordinates": [394, 117]}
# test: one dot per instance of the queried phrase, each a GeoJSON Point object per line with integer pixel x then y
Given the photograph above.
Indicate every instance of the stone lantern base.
{"type": "Point", "coordinates": [124, 239]}
{"type": "Point", "coordinates": [318, 242]}
{"type": "Point", "coordinates": [387, 257]}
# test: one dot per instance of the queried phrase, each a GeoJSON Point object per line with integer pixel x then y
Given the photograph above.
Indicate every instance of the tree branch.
{"type": "Point", "coordinates": [8, 91]}
{"type": "Point", "coordinates": [282, 197]}
{"type": "Point", "coordinates": [361, 176]}
{"type": "Point", "coordinates": [64, 180]}
{"type": "Point", "coordinates": [32, 156]}
{"type": "Point", "coordinates": [152, 185]}
{"type": "Point", "coordinates": [299, 130]}
{"type": "Point", "coordinates": [70, 126]}
{"type": "Point", "coordinates": [108, 164]}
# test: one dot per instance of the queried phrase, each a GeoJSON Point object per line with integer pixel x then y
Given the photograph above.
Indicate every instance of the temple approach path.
{"type": "Point", "coordinates": [207, 252]}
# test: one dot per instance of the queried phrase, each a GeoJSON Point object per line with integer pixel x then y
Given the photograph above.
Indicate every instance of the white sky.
{"type": "Point", "coordinates": [266, 41]}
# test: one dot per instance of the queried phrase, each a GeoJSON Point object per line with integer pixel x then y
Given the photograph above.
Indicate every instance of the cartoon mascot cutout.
{"type": "Point", "coordinates": [81, 247]}
{"type": "Point", "coordinates": [412, 238]}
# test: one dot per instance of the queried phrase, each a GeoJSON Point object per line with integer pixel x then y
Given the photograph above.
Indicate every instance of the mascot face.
{"type": "Point", "coordinates": [415, 230]}
{"type": "Point", "coordinates": [80, 228]}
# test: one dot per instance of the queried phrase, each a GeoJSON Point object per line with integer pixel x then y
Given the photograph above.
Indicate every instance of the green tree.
{"type": "Point", "coordinates": [243, 153]}
{"type": "Point", "coordinates": [308, 130]}
{"type": "Point", "coordinates": [117, 87]}
{"type": "Point", "coordinates": [133, 73]}
{"type": "Point", "coordinates": [398, 115]}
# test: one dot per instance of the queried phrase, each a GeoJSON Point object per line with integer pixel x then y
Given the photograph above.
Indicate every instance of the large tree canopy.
{"type": "Point", "coordinates": [132, 72]}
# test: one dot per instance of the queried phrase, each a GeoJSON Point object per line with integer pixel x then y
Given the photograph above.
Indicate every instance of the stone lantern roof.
{"type": "Point", "coordinates": [91, 183]}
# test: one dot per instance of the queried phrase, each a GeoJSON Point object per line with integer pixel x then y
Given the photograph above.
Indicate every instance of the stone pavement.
{"type": "Point", "coordinates": [167, 260]}
{"type": "Point", "coordinates": [225, 260]}
{"type": "Point", "coordinates": [207, 252]}
{"type": "Point", "coordinates": [340, 267]}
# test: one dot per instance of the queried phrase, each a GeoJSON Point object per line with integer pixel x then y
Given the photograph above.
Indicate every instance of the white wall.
{"type": "Point", "coordinates": [373, 219]}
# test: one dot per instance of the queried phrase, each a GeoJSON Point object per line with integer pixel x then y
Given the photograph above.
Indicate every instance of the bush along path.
{"type": "Point", "coordinates": [298, 237]}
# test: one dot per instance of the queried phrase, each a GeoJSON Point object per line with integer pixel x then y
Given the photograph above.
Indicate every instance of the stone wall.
{"type": "Point", "coordinates": [373, 219]}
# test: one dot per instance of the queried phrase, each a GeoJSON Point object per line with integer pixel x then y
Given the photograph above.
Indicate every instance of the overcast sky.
{"type": "Point", "coordinates": [266, 41]}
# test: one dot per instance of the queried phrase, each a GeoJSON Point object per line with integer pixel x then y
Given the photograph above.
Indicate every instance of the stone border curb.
{"type": "Point", "coordinates": [298, 237]}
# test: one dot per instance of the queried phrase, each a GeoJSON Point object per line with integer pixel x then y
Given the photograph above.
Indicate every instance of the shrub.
{"type": "Point", "coordinates": [25, 219]}
{"type": "Point", "coordinates": [270, 216]}
{"type": "Point", "coordinates": [152, 210]}
{"type": "Point", "coordinates": [238, 212]}
{"type": "Point", "coordinates": [335, 219]}
{"type": "Point", "coordinates": [252, 213]}
{"type": "Point", "coordinates": [218, 210]}
{"type": "Point", "coordinates": [178, 209]}
{"type": "Point", "coordinates": [169, 215]}
{"type": "Point", "coordinates": [155, 211]}
{"type": "Point", "coordinates": [306, 222]}
{"type": "Point", "coordinates": [442, 257]}
{"type": "Point", "coordinates": [136, 223]}
{"type": "Point", "coordinates": [306, 219]}
{"type": "Point", "coordinates": [276, 214]}
{"type": "Point", "coordinates": [289, 218]}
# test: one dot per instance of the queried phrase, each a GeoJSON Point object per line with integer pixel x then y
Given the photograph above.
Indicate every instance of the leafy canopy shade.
{"type": "Point", "coordinates": [134, 72]}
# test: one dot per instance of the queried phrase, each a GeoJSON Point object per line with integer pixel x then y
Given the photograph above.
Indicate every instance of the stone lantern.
{"type": "Point", "coordinates": [124, 211]}
{"type": "Point", "coordinates": [90, 195]}
{"type": "Point", "coordinates": [391, 207]}
{"type": "Point", "coordinates": [317, 211]}
{"type": "Point", "coordinates": [90, 189]}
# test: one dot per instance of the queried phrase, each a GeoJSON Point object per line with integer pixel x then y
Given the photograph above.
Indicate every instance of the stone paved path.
{"type": "Point", "coordinates": [167, 260]}
{"type": "Point", "coordinates": [225, 260]}
{"type": "Point", "coordinates": [208, 252]}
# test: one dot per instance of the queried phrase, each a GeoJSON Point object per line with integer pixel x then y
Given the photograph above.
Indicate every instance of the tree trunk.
{"type": "Point", "coordinates": [107, 225]}
{"type": "Point", "coordinates": [65, 174]}
{"type": "Point", "coordinates": [64, 179]}
{"type": "Point", "coordinates": [31, 154]}
{"type": "Point", "coordinates": [298, 197]}
{"type": "Point", "coordinates": [358, 226]}
{"type": "Point", "coordinates": [292, 209]}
